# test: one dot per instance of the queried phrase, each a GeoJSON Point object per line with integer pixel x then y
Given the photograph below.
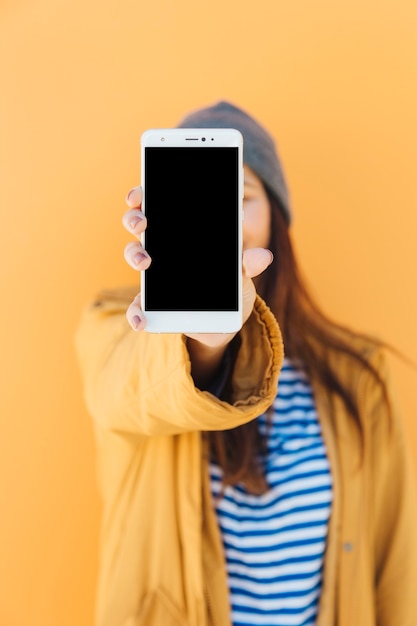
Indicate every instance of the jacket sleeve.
{"type": "Point", "coordinates": [141, 383]}
{"type": "Point", "coordinates": [395, 512]}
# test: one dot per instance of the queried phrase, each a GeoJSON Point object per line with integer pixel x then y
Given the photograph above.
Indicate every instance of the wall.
{"type": "Point", "coordinates": [335, 84]}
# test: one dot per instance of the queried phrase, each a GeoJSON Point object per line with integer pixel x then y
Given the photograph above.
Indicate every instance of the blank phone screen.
{"type": "Point", "coordinates": [192, 208]}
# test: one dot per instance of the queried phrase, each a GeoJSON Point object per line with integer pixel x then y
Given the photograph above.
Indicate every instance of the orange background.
{"type": "Point", "coordinates": [335, 82]}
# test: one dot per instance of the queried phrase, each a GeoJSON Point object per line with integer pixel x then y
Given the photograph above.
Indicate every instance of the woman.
{"type": "Point", "coordinates": [227, 502]}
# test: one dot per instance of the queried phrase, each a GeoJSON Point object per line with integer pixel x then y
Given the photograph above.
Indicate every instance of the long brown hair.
{"type": "Point", "coordinates": [305, 328]}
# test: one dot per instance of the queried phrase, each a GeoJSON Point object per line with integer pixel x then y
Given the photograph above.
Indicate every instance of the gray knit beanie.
{"type": "Point", "coordinates": [259, 151]}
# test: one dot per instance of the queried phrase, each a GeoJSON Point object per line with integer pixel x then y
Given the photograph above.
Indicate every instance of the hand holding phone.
{"type": "Point", "coordinates": [255, 261]}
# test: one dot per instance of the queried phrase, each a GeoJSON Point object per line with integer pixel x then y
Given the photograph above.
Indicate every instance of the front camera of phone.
{"type": "Point", "coordinates": [203, 138]}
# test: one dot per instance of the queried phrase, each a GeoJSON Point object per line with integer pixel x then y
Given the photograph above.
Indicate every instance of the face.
{"type": "Point", "coordinates": [256, 212]}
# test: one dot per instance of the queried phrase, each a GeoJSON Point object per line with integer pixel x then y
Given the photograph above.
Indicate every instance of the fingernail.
{"type": "Point", "coordinates": [139, 257]}
{"type": "Point", "coordinates": [135, 221]}
{"type": "Point", "coordinates": [129, 194]}
{"type": "Point", "coordinates": [136, 321]}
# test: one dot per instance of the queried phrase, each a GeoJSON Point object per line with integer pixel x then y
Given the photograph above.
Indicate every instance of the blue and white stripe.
{"type": "Point", "coordinates": [275, 543]}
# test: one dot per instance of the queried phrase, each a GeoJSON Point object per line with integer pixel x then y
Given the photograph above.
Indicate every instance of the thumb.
{"type": "Point", "coordinates": [256, 260]}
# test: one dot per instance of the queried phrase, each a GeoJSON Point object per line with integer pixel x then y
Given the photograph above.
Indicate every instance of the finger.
{"type": "Point", "coordinates": [134, 221]}
{"type": "Point", "coordinates": [256, 260]}
{"type": "Point", "coordinates": [136, 256]}
{"type": "Point", "coordinates": [135, 316]}
{"type": "Point", "coordinates": [134, 197]}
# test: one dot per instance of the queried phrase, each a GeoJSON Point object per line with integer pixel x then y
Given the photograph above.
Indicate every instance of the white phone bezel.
{"type": "Point", "coordinates": [195, 321]}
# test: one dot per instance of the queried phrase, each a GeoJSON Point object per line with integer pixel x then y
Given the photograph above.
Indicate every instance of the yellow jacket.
{"type": "Point", "coordinates": [162, 561]}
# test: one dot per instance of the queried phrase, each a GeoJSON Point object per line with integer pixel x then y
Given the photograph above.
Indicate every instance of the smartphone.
{"type": "Point", "coordinates": [192, 183]}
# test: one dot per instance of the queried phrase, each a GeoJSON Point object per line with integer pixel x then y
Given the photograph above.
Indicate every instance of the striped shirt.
{"type": "Point", "coordinates": [274, 543]}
